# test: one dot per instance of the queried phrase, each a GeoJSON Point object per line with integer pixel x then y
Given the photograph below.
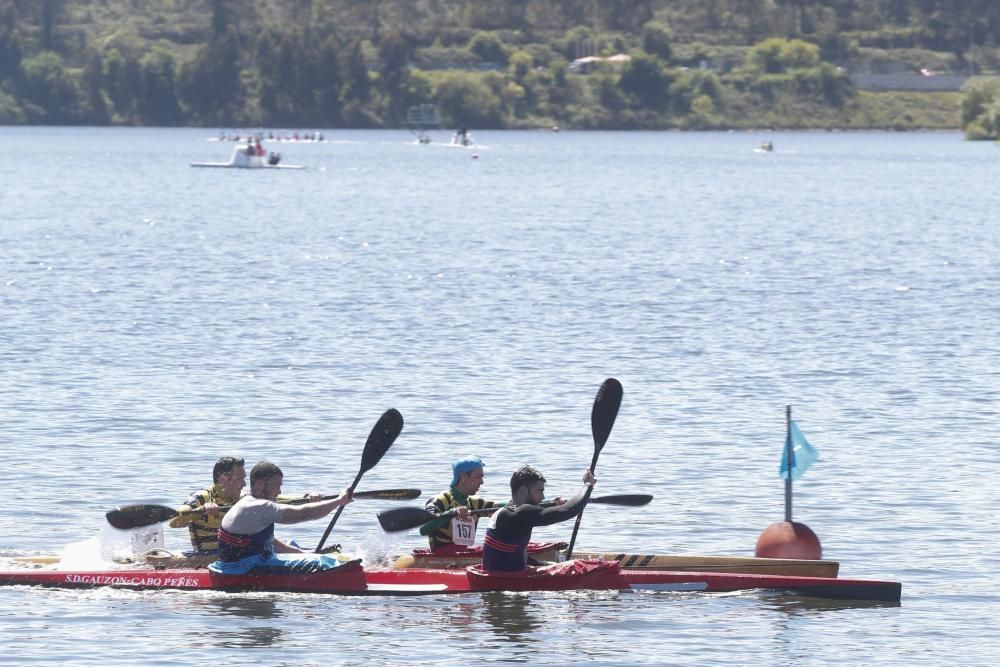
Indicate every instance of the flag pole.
{"type": "Point", "coordinates": [788, 457]}
{"type": "Point", "coordinates": [787, 539]}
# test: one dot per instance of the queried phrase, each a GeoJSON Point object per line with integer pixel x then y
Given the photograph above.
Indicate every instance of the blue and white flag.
{"type": "Point", "coordinates": [803, 454]}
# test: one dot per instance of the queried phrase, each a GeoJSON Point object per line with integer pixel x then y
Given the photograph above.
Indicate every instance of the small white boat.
{"type": "Point", "coordinates": [247, 157]}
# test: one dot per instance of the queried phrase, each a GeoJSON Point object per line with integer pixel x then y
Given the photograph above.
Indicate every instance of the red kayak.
{"type": "Point", "coordinates": [347, 579]}
{"type": "Point", "coordinates": [352, 579]}
{"type": "Point", "coordinates": [607, 575]}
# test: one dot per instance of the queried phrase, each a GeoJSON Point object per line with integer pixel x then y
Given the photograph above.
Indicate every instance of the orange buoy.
{"type": "Point", "coordinates": [787, 539]}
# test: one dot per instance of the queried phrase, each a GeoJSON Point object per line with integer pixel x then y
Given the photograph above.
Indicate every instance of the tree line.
{"type": "Point", "coordinates": [362, 63]}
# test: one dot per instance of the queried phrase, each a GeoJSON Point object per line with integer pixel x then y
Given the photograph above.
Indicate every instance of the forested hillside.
{"type": "Point", "coordinates": [506, 63]}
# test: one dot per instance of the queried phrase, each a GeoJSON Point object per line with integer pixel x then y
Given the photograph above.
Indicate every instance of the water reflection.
{"type": "Point", "coordinates": [240, 633]}
{"type": "Point", "coordinates": [793, 604]}
{"type": "Point", "coordinates": [511, 615]}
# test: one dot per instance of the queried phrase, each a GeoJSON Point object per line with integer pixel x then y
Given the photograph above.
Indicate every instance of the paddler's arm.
{"type": "Point", "coordinates": [282, 548]}
{"type": "Point", "coordinates": [462, 511]}
{"type": "Point", "coordinates": [187, 512]}
{"type": "Point", "coordinates": [443, 519]}
{"type": "Point", "coordinates": [185, 515]}
{"type": "Point", "coordinates": [570, 508]}
{"type": "Point", "coordinates": [310, 511]}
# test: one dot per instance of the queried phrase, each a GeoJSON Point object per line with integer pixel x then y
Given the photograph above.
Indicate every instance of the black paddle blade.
{"type": "Point", "coordinates": [602, 416]}
{"type": "Point", "coordinates": [625, 499]}
{"type": "Point", "coordinates": [383, 434]}
{"type": "Point", "coordinates": [389, 494]}
{"type": "Point", "coordinates": [404, 518]}
{"type": "Point", "coordinates": [137, 516]}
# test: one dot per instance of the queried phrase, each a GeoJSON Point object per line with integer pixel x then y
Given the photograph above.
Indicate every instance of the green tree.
{"type": "Point", "coordinates": [304, 67]}
{"type": "Point", "coordinates": [157, 103]}
{"type": "Point", "coordinates": [11, 52]}
{"type": "Point", "coordinates": [210, 83]}
{"type": "Point", "coordinates": [358, 88]}
{"type": "Point", "coordinates": [626, 15]}
{"type": "Point", "coordinates": [656, 39]}
{"type": "Point", "coordinates": [268, 79]}
{"type": "Point", "coordinates": [520, 65]}
{"type": "Point", "coordinates": [980, 116]}
{"type": "Point", "coordinates": [776, 55]}
{"type": "Point", "coordinates": [220, 18]}
{"type": "Point", "coordinates": [394, 74]}
{"type": "Point", "coordinates": [50, 15]}
{"type": "Point", "coordinates": [47, 84]}
{"type": "Point", "coordinates": [466, 100]}
{"type": "Point", "coordinates": [329, 83]}
{"type": "Point", "coordinates": [488, 47]}
{"type": "Point", "coordinates": [644, 78]}
{"type": "Point", "coordinates": [122, 80]}
{"type": "Point", "coordinates": [93, 108]}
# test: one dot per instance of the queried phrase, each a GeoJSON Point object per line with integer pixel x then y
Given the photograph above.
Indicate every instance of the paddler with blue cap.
{"type": "Point", "coordinates": [455, 528]}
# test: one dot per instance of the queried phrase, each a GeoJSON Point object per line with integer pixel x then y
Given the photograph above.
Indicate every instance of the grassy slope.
{"type": "Point", "coordinates": [910, 110]}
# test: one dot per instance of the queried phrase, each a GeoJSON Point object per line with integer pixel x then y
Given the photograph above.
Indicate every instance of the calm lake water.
{"type": "Point", "coordinates": [155, 317]}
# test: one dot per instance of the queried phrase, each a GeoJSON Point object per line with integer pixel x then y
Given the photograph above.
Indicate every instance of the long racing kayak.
{"type": "Point", "coordinates": [732, 564]}
{"type": "Point", "coordinates": [424, 558]}
{"type": "Point", "coordinates": [551, 551]}
{"type": "Point", "coordinates": [352, 579]}
{"type": "Point", "coordinates": [608, 575]}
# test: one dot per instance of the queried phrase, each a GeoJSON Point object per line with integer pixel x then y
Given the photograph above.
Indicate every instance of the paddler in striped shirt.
{"type": "Point", "coordinates": [246, 536]}
{"type": "Point", "coordinates": [505, 548]}
{"type": "Point", "coordinates": [229, 476]}
{"type": "Point", "coordinates": [455, 528]}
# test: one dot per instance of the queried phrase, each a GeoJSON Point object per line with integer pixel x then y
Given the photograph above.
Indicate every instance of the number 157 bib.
{"type": "Point", "coordinates": [463, 531]}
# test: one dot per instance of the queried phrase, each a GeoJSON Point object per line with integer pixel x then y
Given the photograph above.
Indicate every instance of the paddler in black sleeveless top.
{"type": "Point", "coordinates": [505, 548]}
{"type": "Point", "coordinates": [455, 528]}
{"type": "Point", "coordinates": [246, 536]}
{"type": "Point", "coordinates": [230, 476]}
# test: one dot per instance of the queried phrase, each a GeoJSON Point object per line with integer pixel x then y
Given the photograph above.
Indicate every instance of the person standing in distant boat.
{"type": "Point", "coordinates": [454, 529]}
{"type": "Point", "coordinates": [229, 476]}
{"type": "Point", "coordinates": [246, 536]}
{"type": "Point", "coordinates": [505, 548]}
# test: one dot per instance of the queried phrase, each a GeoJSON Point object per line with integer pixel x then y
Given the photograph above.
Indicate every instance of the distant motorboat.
{"type": "Point", "coordinates": [766, 147]}
{"type": "Point", "coordinates": [249, 156]}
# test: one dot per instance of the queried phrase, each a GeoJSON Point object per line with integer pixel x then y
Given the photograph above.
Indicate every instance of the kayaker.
{"type": "Point", "coordinates": [505, 548]}
{"type": "Point", "coordinates": [455, 528]}
{"type": "Point", "coordinates": [246, 536]}
{"type": "Point", "coordinates": [229, 476]}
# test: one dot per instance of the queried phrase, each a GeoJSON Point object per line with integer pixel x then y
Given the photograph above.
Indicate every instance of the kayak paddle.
{"type": "Point", "coordinates": [405, 518]}
{"type": "Point", "coordinates": [138, 516]}
{"type": "Point", "coordinates": [602, 418]}
{"type": "Point", "coordinates": [382, 435]}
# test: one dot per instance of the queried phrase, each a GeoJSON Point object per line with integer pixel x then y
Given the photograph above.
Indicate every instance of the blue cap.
{"type": "Point", "coordinates": [467, 464]}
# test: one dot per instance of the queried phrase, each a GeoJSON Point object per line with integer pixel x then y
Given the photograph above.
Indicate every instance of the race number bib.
{"type": "Point", "coordinates": [463, 531]}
